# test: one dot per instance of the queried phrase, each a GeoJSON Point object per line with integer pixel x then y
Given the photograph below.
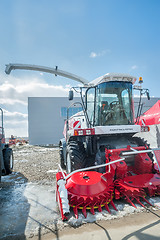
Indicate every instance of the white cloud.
{"type": "Point", "coordinates": [18, 93]}
{"type": "Point", "coordinates": [15, 123]}
{"type": "Point", "coordinates": [9, 101]}
{"type": "Point", "coordinates": [14, 93]}
{"type": "Point", "coordinates": [134, 67]}
{"type": "Point", "coordinates": [93, 55]}
{"type": "Point", "coordinates": [99, 54]}
{"type": "Point", "coordinates": [16, 128]}
{"type": "Point", "coordinates": [14, 115]}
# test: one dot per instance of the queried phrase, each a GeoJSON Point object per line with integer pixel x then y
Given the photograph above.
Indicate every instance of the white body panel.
{"type": "Point", "coordinates": [77, 117]}
{"type": "Point", "coordinates": [100, 130]}
{"type": "Point", "coordinates": [115, 129]}
{"type": "Point", "coordinates": [110, 130]}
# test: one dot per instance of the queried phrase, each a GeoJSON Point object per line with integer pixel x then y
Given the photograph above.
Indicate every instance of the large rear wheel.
{"type": "Point", "coordinates": [1, 156]}
{"type": "Point", "coordinates": [8, 160]}
{"type": "Point", "coordinates": [141, 142]}
{"type": "Point", "coordinates": [61, 157]}
{"type": "Point", "coordinates": [75, 156]}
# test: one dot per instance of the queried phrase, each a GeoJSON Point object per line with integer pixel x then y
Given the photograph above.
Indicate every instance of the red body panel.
{"type": "Point", "coordinates": [152, 116]}
{"type": "Point", "coordinates": [90, 190]}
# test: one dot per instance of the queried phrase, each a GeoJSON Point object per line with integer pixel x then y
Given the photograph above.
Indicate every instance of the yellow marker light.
{"type": "Point", "coordinates": [140, 80]}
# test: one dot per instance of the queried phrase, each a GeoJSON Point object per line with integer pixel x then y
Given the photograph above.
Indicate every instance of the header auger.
{"type": "Point", "coordinates": [101, 157]}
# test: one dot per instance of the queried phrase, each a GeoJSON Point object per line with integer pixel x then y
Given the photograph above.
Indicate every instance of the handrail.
{"type": "Point", "coordinates": [92, 167]}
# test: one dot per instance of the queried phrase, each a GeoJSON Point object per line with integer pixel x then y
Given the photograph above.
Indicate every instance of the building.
{"type": "Point", "coordinates": [46, 117]}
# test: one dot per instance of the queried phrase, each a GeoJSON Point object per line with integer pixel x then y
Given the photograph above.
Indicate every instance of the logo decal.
{"type": "Point", "coordinates": [77, 124]}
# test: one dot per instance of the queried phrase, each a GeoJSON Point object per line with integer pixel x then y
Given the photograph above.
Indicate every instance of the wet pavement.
{"type": "Point", "coordinates": [26, 208]}
{"type": "Point", "coordinates": [29, 209]}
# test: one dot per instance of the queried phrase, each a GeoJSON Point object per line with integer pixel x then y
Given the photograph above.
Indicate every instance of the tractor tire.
{"type": "Point", "coordinates": [139, 141]}
{"type": "Point", "coordinates": [61, 157]}
{"type": "Point", "coordinates": [1, 156]}
{"type": "Point", "coordinates": [142, 142]}
{"type": "Point", "coordinates": [75, 156]}
{"type": "Point", "coordinates": [8, 160]}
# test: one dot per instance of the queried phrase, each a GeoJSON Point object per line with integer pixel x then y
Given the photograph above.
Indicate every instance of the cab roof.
{"type": "Point", "coordinates": [113, 77]}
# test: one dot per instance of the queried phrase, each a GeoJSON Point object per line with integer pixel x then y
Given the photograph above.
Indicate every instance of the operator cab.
{"type": "Point", "coordinates": [110, 103]}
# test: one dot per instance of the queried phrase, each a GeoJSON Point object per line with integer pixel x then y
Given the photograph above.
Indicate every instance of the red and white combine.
{"type": "Point", "coordinates": [102, 157]}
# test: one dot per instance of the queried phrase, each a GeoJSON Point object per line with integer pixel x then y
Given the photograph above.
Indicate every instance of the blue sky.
{"type": "Point", "coordinates": [86, 37]}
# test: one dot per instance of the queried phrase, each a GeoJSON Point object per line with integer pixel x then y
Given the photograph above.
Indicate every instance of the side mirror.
{"type": "Point", "coordinates": [70, 95]}
{"type": "Point", "coordinates": [148, 96]}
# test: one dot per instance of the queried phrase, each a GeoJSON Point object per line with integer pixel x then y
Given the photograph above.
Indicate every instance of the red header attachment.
{"type": "Point", "coordinates": [145, 128]}
{"type": "Point", "coordinates": [84, 132]}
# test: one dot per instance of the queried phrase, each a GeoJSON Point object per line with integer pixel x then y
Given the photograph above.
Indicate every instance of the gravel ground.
{"type": "Point", "coordinates": [36, 163]}
{"type": "Point", "coordinates": [37, 166]}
